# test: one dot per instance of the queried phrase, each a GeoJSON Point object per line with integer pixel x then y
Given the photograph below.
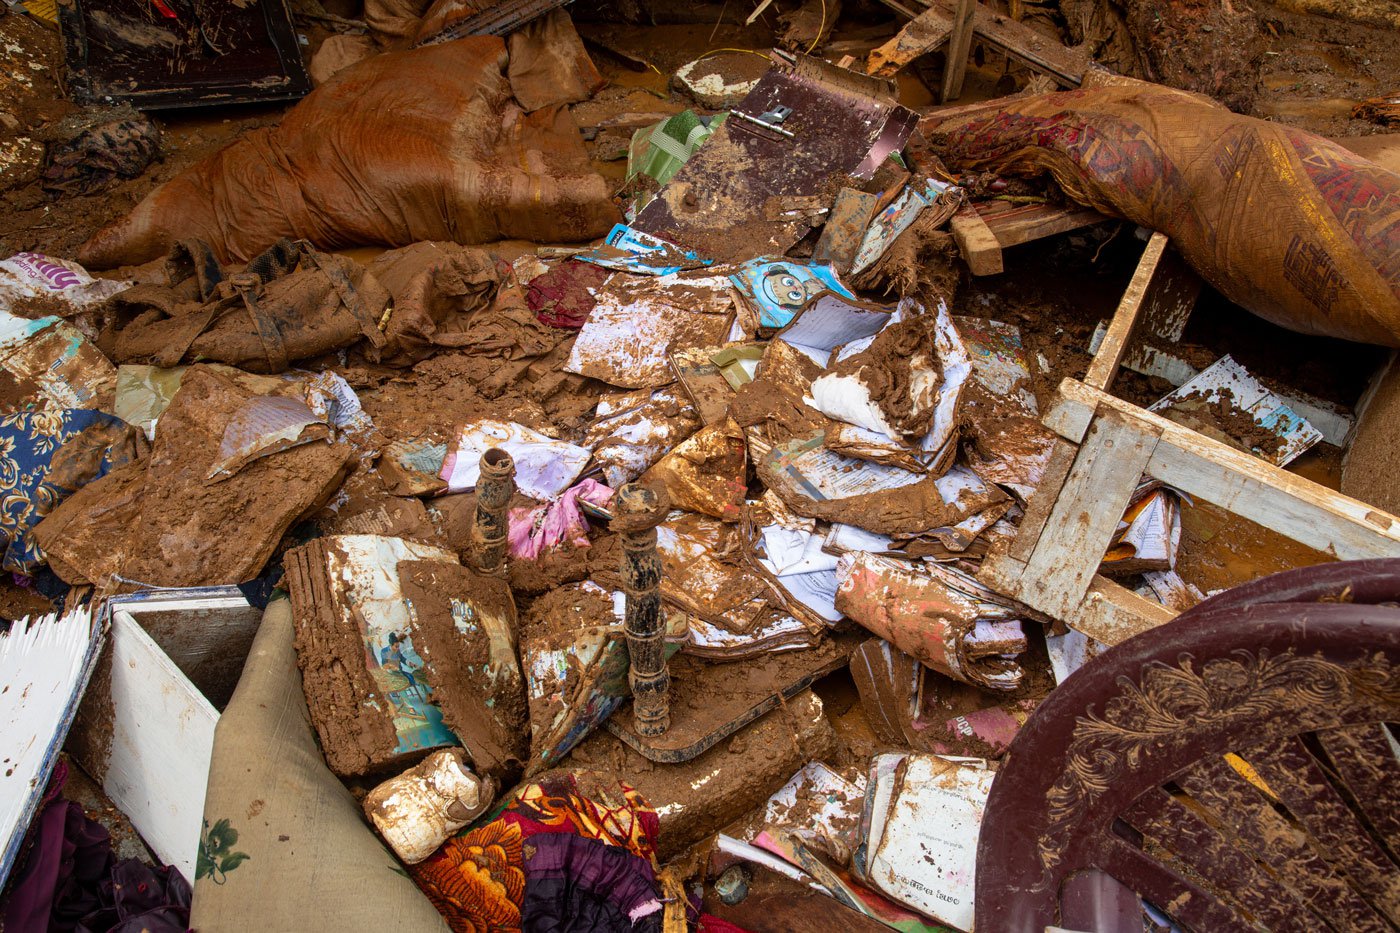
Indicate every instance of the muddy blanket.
{"type": "Point", "coordinates": [1286, 224]}
{"type": "Point", "coordinates": [424, 144]}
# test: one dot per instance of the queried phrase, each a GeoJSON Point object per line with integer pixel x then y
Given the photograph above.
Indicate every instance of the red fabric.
{"type": "Point", "coordinates": [563, 296]}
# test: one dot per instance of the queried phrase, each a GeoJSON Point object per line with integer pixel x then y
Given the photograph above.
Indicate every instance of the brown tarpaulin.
{"type": "Point", "coordinates": [425, 144]}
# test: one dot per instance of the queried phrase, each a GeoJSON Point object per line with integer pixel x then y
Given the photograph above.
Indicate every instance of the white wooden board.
{"type": "Point", "coordinates": [162, 740]}
{"type": "Point", "coordinates": [44, 666]}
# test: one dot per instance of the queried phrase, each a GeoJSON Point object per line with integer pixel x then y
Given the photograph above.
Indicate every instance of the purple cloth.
{"type": "Point", "coordinates": [578, 885]}
{"type": "Point", "coordinates": [68, 879]}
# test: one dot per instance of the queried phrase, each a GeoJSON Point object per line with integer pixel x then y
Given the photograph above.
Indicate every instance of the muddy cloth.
{"type": "Point", "coordinates": [44, 457]}
{"type": "Point", "coordinates": [436, 291]}
{"type": "Point", "coordinates": [94, 150]}
{"type": "Point", "coordinates": [292, 302]}
{"type": "Point", "coordinates": [424, 144]}
{"type": "Point", "coordinates": [394, 23]}
{"type": "Point", "coordinates": [572, 851]}
{"type": "Point", "coordinates": [1285, 224]}
{"type": "Point", "coordinates": [549, 65]}
{"type": "Point", "coordinates": [69, 881]}
{"type": "Point", "coordinates": [564, 295]}
{"type": "Point", "coordinates": [338, 53]}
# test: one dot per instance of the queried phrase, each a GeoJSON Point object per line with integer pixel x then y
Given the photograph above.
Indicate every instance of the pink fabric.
{"type": "Point", "coordinates": [535, 530]}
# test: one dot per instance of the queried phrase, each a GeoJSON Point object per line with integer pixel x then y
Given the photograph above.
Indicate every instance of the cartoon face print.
{"type": "Point", "coordinates": [783, 288]}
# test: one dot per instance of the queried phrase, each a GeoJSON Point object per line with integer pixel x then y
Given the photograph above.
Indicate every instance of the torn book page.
{"type": "Point", "coordinates": [630, 431]}
{"type": "Point", "coordinates": [629, 250]}
{"type": "Point", "coordinates": [921, 847]}
{"type": "Point", "coordinates": [1227, 403]}
{"type": "Point", "coordinates": [544, 467]}
{"type": "Point", "coordinates": [898, 216]}
{"type": "Point", "coordinates": [1148, 534]}
{"type": "Point", "coordinates": [937, 615]}
{"type": "Point", "coordinates": [48, 364]}
{"type": "Point", "coordinates": [45, 665]}
{"type": "Point", "coordinates": [639, 322]}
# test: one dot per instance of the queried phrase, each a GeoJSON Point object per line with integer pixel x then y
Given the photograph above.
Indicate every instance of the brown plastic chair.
{"type": "Point", "coordinates": [1123, 770]}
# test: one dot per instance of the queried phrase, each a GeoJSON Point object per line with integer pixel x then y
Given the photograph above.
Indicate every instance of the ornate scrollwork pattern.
{"type": "Point", "coordinates": [1171, 706]}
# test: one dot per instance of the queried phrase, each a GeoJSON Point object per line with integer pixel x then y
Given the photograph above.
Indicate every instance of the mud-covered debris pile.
{"type": "Point", "coordinates": [618, 582]}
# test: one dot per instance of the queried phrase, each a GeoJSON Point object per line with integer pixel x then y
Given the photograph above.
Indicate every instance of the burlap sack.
{"type": "Point", "coordinates": [423, 144]}
{"type": "Point", "coordinates": [284, 846]}
{"type": "Point", "coordinates": [1286, 224]}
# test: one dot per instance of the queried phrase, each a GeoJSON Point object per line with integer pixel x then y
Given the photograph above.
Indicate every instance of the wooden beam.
{"type": "Point", "coordinates": [1016, 40]}
{"type": "Point", "coordinates": [1022, 43]}
{"type": "Point", "coordinates": [959, 46]}
{"type": "Point", "coordinates": [1109, 612]}
{"type": "Point", "coordinates": [1112, 613]}
{"type": "Point", "coordinates": [921, 35]}
{"type": "Point", "coordinates": [1236, 481]}
{"type": "Point", "coordinates": [976, 241]}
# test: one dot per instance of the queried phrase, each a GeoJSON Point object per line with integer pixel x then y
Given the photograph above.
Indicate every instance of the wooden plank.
{"type": "Point", "coordinates": [1043, 499]}
{"type": "Point", "coordinates": [162, 739]}
{"type": "Point", "coordinates": [1171, 297]}
{"type": "Point", "coordinates": [1085, 515]}
{"type": "Point", "coordinates": [1238, 482]}
{"type": "Point", "coordinates": [1022, 223]}
{"type": "Point", "coordinates": [1105, 364]}
{"type": "Point", "coordinates": [959, 46]}
{"type": "Point", "coordinates": [1038, 52]}
{"type": "Point", "coordinates": [921, 35]}
{"type": "Point", "coordinates": [976, 241]}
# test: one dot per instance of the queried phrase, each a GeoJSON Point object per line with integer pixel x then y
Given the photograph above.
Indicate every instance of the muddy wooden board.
{"type": "Point", "coordinates": [710, 702]}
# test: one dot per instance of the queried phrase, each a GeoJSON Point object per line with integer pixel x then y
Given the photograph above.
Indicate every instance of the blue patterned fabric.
{"type": "Point", "coordinates": [28, 441]}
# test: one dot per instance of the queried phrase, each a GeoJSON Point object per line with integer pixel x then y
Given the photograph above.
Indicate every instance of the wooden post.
{"type": "Point", "coordinates": [638, 513]}
{"type": "Point", "coordinates": [959, 45]}
{"type": "Point", "coordinates": [489, 529]}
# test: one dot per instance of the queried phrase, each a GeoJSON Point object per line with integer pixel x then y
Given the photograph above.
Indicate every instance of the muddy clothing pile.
{"type": "Point", "coordinates": [612, 474]}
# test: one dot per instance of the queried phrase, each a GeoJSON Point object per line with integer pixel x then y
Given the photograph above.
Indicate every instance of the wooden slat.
{"type": "Point", "coordinates": [1030, 48]}
{"type": "Point", "coordinates": [1183, 900]}
{"type": "Point", "coordinates": [1085, 515]}
{"type": "Point", "coordinates": [976, 241]}
{"type": "Point", "coordinates": [1013, 225]}
{"type": "Point", "coordinates": [1366, 764]}
{"type": "Point", "coordinates": [959, 46]}
{"type": "Point", "coordinates": [1052, 480]}
{"type": "Point", "coordinates": [1219, 788]}
{"type": "Point", "coordinates": [1212, 856]}
{"type": "Point", "coordinates": [1125, 320]}
{"type": "Point", "coordinates": [1293, 774]}
{"type": "Point", "coordinates": [1238, 482]}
